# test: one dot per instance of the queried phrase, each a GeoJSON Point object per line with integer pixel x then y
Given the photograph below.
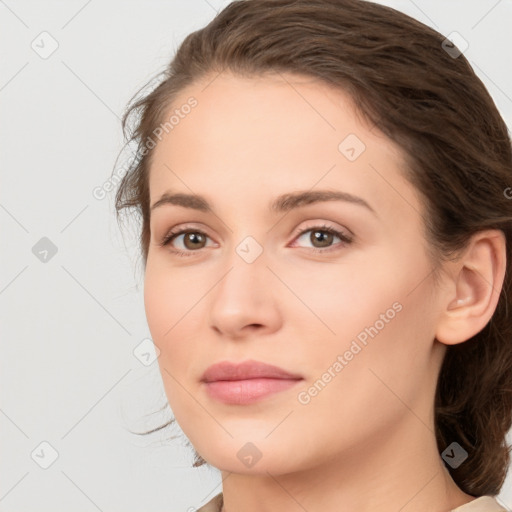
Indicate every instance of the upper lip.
{"type": "Point", "coordinates": [226, 370]}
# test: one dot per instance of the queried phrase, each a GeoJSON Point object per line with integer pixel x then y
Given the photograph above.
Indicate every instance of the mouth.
{"type": "Point", "coordinates": [247, 382]}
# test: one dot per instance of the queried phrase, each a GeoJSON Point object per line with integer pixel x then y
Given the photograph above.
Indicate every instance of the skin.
{"type": "Point", "coordinates": [366, 440]}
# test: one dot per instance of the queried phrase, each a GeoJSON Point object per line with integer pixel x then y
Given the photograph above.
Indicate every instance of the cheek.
{"type": "Point", "coordinates": [168, 304]}
{"type": "Point", "coordinates": [158, 304]}
{"type": "Point", "coordinates": [376, 316]}
{"type": "Point", "coordinates": [384, 370]}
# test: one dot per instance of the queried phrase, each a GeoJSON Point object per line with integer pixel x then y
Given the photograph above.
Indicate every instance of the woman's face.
{"type": "Point", "coordinates": [351, 316]}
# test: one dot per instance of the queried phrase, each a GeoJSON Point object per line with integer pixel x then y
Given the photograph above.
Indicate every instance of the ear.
{"type": "Point", "coordinates": [474, 286]}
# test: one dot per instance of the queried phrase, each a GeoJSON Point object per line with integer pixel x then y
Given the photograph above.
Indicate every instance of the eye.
{"type": "Point", "coordinates": [322, 237]}
{"type": "Point", "coordinates": [193, 240]}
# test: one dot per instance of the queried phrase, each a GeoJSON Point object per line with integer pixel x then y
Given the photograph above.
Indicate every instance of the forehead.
{"type": "Point", "coordinates": [269, 134]}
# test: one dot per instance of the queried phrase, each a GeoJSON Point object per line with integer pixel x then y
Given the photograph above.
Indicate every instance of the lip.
{"type": "Point", "coordinates": [225, 370]}
{"type": "Point", "coordinates": [246, 382]}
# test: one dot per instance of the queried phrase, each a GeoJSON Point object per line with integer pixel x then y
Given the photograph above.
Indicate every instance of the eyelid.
{"type": "Point", "coordinates": [322, 225]}
{"type": "Point", "coordinates": [179, 229]}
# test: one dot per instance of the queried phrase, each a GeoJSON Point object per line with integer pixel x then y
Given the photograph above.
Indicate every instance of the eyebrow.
{"type": "Point", "coordinates": [282, 203]}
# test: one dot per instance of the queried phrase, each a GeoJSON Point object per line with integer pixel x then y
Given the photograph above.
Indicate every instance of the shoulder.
{"type": "Point", "coordinates": [482, 504]}
{"type": "Point", "coordinates": [214, 505]}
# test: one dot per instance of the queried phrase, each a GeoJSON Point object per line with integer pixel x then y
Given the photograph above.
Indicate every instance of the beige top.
{"type": "Point", "coordinates": [481, 504]}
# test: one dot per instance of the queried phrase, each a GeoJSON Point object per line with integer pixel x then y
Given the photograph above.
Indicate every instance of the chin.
{"type": "Point", "coordinates": [263, 466]}
{"type": "Point", "coordinates": [252, 458]}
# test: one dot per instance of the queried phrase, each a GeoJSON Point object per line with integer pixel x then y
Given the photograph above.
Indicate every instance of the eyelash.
{"type": "Point", "coordinates": [345, 239]}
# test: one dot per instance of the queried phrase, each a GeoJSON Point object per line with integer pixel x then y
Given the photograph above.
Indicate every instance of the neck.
{"type": "Point", "coordinates": [405, 473]}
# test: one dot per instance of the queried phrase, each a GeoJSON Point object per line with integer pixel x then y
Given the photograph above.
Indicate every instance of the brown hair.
{"type": "Point", "coordinates": [428, 100]}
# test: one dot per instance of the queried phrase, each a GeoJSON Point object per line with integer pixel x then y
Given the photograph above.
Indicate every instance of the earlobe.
{"type": "Point", "coordinates": [475, 288]}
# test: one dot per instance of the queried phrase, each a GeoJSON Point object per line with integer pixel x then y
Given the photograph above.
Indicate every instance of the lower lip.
{"type": "Point", "coordinates": [240, 392]}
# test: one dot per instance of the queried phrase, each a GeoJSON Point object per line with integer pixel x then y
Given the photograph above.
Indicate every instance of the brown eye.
{"type": "Point", "coordinates": [194, 240]}
{"type": "Point", "coordinates": [322, 237]}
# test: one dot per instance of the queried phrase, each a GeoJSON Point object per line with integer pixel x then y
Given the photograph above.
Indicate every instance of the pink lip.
{"type": "Point", "coordinates": [246, 382]}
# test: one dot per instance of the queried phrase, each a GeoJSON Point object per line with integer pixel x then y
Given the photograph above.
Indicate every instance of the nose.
{"type": "Point", "coordinates": [245, 301]}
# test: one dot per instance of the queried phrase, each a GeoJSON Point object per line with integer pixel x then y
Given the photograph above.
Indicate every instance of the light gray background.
{"type": "Point", "coordinates": [68, 374]}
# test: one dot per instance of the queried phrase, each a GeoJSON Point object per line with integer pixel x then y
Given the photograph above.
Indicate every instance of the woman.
{"type": "Point", "coordinates": [326, 236]}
